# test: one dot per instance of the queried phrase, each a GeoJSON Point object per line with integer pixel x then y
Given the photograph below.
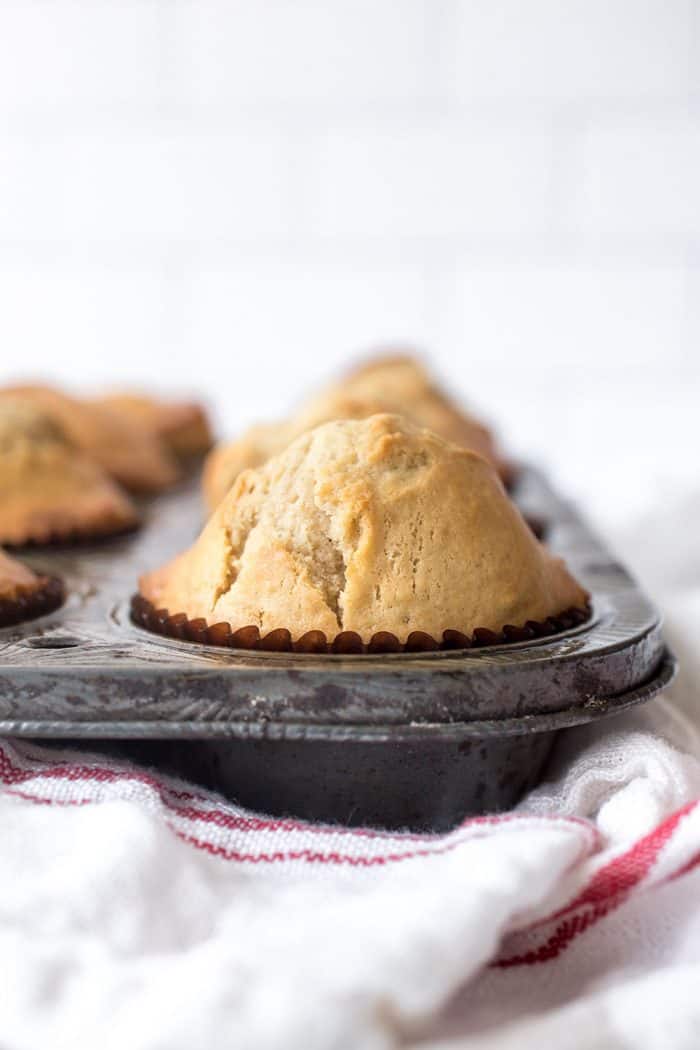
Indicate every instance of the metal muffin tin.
{"type": "Point", "coordinates": [395, 740]}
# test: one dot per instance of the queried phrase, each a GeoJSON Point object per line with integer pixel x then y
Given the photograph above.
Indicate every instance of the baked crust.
{"type": "Point", "coordinates": [49, 490]}
{"type": "Point", "coordinates": [126, 450]}
{"type": "Point", "coordinates": [396, 384]}
{"type": "Point", "coordinates": [183, 426]}
{"type": "Point", "coordinates": [229, 459]}
{"type": "Point", "coordinates": [367, 526]}
{"type": "Point", "coordinates": [400, 383]}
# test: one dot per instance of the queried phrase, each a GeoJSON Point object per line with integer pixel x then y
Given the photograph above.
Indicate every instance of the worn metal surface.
{"type": "Point", "coordinates": [422, 776]}
{"type": "Point", "coordinates": [86, 671]}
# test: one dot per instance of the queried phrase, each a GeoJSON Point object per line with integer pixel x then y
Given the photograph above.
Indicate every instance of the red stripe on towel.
{"type": "Point", "coordinates": [610, 887]}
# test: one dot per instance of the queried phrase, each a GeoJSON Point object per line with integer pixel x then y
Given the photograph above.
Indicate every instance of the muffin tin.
{"type": "Point", "coordinates": [403, 739]}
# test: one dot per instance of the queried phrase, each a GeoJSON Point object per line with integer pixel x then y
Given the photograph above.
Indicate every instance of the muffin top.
{"type": "Point", "coordinates": [367, 526]}
{"type": "Point", "coordinates": [421, 405]}
{"type": "Point", "coordinates": [183, 426]}
{"type": "Point", "coordinates": [49, 489]}
{"type": "Point", "coordinates": [24, 427]}
{"type": "Point", "coordinates": [393, 374]}
{"type": "Point", "coordinates": [126, 450]}
{"type": "Point", "coordinates": [395, 384]}
{"type": "Point", "coordinates": [401, 383]}
{"type": "Point", "coordinates": [229, 459]}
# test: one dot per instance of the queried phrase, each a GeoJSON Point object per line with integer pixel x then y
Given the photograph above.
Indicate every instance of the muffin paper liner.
{"type": "Point", "coordinates": [74, 537]}
{"type": "Point", "coordinates": [347, 643]}
{"type": "Point", "coordinates": [33, 601]}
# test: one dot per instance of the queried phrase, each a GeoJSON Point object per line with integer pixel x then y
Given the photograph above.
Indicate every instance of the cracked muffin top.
{"type": "Point", "coordinates": [126, 450]}
{"type": "Point", "coordinates": [395, 384]}
{"type": "Point", "coordinates": [182, 426]}
{"type": "Point", "coordinates": [367, 526]}
{"type": "Point", "coordinates": [50, 490]}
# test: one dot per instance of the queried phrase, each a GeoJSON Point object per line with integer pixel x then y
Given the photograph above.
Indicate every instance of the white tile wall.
{"type": "Point", "coordinates": [640, 177]}
{"type": "Point", "coordinates": [70, 318]}
{"type": "Point", "coordinates": [577, 51]}
{"type": "Point", "coordinates": [571, 317]}
{"type": "Point", "coordinates": [73, 56]}
{"type": "Point", "coordinates": [234, 195]}
{"type": "Point", "coordinates": [145, 184]}
{"type": "Point", "coordinates": [237, 52]}
{"type": "Point", "coordinates": [443, 178]}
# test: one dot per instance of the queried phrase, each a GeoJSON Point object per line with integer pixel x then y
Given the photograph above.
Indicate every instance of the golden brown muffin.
{"type": "Point", "coordinates": [225, 462]}
{"type": "Point", "coordinates": [23, 594]}
{"type": "Point", "coordinates": [429, 410]}
{"type": "Point", "coordinates": [402, 384]}
{"type": "Point", "coordinates": [402, 376]}
{"type": "Point", "coordinates": [127, 450]}
{"type": "Point", "coordinates": [395, 384]}
{"type": "Point", "coordinates": [49, 490]}
{"type": "Point", "coordinates": [182, 426]}
{"type": "Point", "coordinates": [367, 526]}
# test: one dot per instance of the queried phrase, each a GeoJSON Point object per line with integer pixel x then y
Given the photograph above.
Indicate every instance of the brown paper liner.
{"type": "Point", "coordinates": [73, 537]}
{"type": "Point", "coordinates": [30, 602]}
{"type": "Point", "coordinates": [347, 643]}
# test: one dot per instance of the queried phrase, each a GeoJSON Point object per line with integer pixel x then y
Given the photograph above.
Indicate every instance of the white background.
{"type": "Point", "coordinates": [237, 197]}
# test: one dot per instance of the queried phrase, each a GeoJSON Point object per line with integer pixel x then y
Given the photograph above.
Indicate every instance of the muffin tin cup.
{"type": "Point", "coordinates": [413, 739]}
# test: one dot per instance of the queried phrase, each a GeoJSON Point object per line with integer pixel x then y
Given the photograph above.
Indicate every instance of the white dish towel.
{"type": "Point", "coordinates": [137, 912]}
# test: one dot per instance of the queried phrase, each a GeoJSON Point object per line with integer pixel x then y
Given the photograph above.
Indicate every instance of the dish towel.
{"type": "Point", "coordinates": [136, 911]}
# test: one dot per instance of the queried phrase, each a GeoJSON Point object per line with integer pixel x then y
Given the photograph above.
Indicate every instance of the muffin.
{"type": "Point", "coordinates": [182, 426]}
{"type": "Point", "coordinates": [402, 384]}
{"type": "Point", "coordinates": [125, 449]}
{"type": "Point", "coordinates": [401, 377]}
{"type": "Point", "coordinates": [397, 384]}
{"type": "Point", "coordinates": [369, 528]}
{"type": "Point", "coordinates": [429, 411]}
{"type": "Point", "coordinates": [23, 594]}
{"type": "Point", "coordinates": [229, 459]}
{"type": "Point", "coordinates": [50, 491]}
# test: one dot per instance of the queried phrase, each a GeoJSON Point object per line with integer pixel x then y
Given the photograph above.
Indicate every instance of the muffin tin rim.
{"type": "Point", "coordinates": [356, 732]}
